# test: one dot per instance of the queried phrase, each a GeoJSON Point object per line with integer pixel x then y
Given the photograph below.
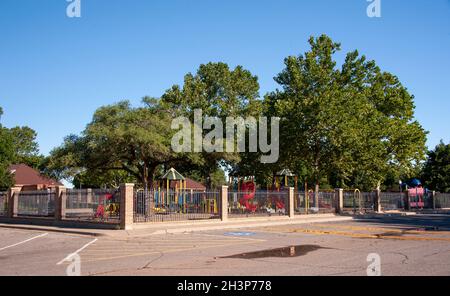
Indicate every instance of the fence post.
{"type": "Point", "coordinates": [377, 202]}
{"type": "Point", "coordinates": [126, 206]}
{"type": "Point", "coordinates": [339, 200]}
{"type": "Point", "coordinates": [291, 202]}
{"type": "Point", "coordinates": [433, 200]}
{"type": "Point", "coordinates": [13, 201]}
{"type": "Point", "coordinates": [224, 203]}
{"type": "Point", "coordinates": [407, 201]}
{"type": "Point", "coordinates": [60, 203]}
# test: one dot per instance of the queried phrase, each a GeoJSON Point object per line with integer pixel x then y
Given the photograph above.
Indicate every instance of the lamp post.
{"type": "Point", "coordinates": [400, 183]}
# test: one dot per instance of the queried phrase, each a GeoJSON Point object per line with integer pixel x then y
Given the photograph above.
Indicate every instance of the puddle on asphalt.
{"type": "Point", "coordinates": [287, 252]}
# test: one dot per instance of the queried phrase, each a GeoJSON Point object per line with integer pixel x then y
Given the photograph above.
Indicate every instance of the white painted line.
{"type": "Point", "coordinates": [25, 241]}
{"type": "Point", "coordinates": [76, 252]}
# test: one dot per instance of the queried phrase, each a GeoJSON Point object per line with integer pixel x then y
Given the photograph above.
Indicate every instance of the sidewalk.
{"type": "Point", "coordinates": [148, 229]}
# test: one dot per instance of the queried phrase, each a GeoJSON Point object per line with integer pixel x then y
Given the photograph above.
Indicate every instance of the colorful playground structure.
{"type": "Point", "coordinates": [246, 198]}
{"type": "Point", "coordinates": [171, 196]}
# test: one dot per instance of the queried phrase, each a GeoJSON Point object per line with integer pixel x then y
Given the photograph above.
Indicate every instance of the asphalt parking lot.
{"type": "Point", "coordinates": [417, 245]}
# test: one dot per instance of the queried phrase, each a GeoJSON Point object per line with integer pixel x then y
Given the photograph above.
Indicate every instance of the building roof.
{"type": "Point", "coordinates": [190, 184]}
{"type": "Point", "coordinates": [25, 175]}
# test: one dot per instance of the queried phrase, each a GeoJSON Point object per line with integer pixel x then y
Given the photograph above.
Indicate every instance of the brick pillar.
{"type": "Point", "coordinates": [89, 196]}
{"type": "Point", "coordinates": [339, 200]}
{"type": "Point", "coordinates": [60, 203]}
{"type": "Point", "coordinates": [377, 202]}
{"type": "Point", "coordinates": [224, 203]}
{"type": "Point", "coordinates": [126, 206]}
{"type": "Point", "coordinates": [13, 201]}
{"type": "Point", "coordinates": [291, 203]}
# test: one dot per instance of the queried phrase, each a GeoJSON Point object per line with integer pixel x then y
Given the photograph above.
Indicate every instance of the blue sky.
{"type": "Point", "coordinates": [55, 71]}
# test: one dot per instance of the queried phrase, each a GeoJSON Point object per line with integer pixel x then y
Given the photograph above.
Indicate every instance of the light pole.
{"type": "Point", "coordinates": [400, 183]}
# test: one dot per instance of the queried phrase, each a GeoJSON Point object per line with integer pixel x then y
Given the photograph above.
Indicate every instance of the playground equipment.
{"type": "Point", "coordinates": [252, 201]}
{"type": "Point", "coordinates": [249, 190]}
{"type": "Point", "coordinates": [107, 207]}
{"type": "Point", "coordinates": [416, 194]}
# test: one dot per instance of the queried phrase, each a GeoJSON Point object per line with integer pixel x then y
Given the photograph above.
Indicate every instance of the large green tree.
{"type": "Point", "coordinates": [6, 156]}
{"type": "Point", "coordinates": [352, 125]}
{"type": "Point", "coordinates": [436, 173]}
{"type": "Point", "coordinates": [219, 92]}
{"type": "Point", "coordinates": [26, 148]}
{"type": "Point", "coordinates": [131, 141]}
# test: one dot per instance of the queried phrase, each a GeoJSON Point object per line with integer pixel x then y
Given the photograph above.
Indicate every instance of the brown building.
{"type": "Point", "coordinates": [30, 179]}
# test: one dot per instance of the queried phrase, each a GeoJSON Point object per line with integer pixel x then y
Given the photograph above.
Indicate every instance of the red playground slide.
{"type": "Point", "coordinates": [249, 190]}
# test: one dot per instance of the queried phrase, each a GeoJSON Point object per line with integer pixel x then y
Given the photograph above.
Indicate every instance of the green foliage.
{"type": "Point", "coordinates": [6, 155]}
{"type": "Point", "coordinates": [348, 126]}
{"type": "Point", "coordinates": [102, 179]}
{"type": "Point", "coordinates": [355, 124]}
{"type": "Point", "coordinates": [220, 92]}
{"type": "Point", "coordinates": [436, 173]}
{"type": "Point", "coordinates": [25, 146]}
{"type": "Point", "coordinates": [131, 141]}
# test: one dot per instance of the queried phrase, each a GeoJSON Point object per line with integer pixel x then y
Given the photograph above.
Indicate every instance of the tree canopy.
{"type": "Point", "coordinates": [349, 125]}
{"type": "Point", "coordinates": [17, 145]}
{"type": "Point", "coordinates": [353, 125]}
{"type": "Point", "coordinates": [436, 172]}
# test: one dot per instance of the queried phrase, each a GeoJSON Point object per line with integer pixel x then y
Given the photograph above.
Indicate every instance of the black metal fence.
{"type": "Point", "coordinates": [306, 204]}
{"type": "Point", "coordinates": [36, 203]}
{"type": "Point", "coordinates": [392, 201]}
{"type": "Point", "coordinates": [162, 206]}
{"type": "Point", "coordinates": [3, 203]}
{"type": "Point", "coordinates": [442, 200]}
{"type": "Point", "coordinates": [356, 201]}
{"type": "Point", "coordinates": [96, 205]}
{"type": "Point", "coordinates": [300, 202]}
{"type": "Point", "coordinates": [326, 202]}
{"type": "Point", "coordinates": [260, 203]}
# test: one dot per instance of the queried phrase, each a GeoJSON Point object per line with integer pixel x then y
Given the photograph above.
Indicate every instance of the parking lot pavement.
{"type": "Point", "coordinates": [27, 252]}
{"type": "Point", "coordinates": [406, 246]}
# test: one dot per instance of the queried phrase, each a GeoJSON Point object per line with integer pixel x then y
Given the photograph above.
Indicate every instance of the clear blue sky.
{"type": "Point", "coordinates": [55, 71]}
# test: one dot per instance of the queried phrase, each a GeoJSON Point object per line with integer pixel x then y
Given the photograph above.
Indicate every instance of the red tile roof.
{"type": "Point", "coordinates": [25, 175]}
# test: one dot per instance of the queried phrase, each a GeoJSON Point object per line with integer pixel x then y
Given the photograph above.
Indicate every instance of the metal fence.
{"type": "Point", "coordinates": [308, 205]}
{"type": "Point", "coordinates": [3, 203]}
{"type": "Point", "coordinates": [36, 203]}
{"type": "Point", "coordinates": [162, 206]}
{"type": "Point", "coordinates": [326, 202]}
{"type": "Point", "coordinates": [260, 203]}
{"type": "Point", "coordinates": [392, 201]}
{"type": "Point", "coordinates": [96, 205]}
{"type": "Point", "coordinates": [356, 201]}
{"type": "Point", "coordinates": [442, 200]}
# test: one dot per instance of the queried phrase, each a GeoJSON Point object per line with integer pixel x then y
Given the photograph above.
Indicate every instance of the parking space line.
{"type": "Point", "coordinates": [154, 252]}
{"type": "Point", "coordinates": [76, 252]}
{"type": "Point", "coordinates": [23, 242]}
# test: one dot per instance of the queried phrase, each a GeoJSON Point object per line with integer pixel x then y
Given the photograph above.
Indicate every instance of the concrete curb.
{"type": "Point", "coordinates": [149, 229]}
{"type": "Point", "coordinates": [163, 229]}
{"type": "Point", "coordinates": [52, 229]}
